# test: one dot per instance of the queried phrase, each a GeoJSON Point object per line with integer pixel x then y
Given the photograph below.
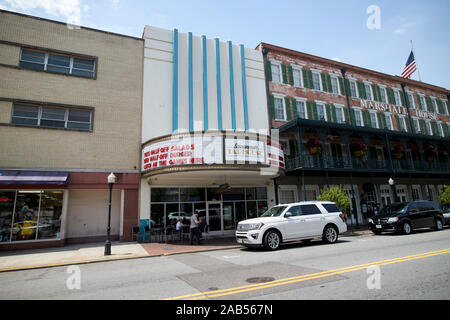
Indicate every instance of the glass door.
{"type": "Point", "coordinates": [214, 216]}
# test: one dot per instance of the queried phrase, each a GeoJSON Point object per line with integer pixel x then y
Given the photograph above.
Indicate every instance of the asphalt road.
{"type": "Point", "coordinates": [360, 267]}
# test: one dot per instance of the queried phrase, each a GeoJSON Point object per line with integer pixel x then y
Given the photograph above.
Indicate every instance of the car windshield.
{"type": "Point", "coordinates": [393, 209]}
{"type": "Point", "coordinates": [274, 211]}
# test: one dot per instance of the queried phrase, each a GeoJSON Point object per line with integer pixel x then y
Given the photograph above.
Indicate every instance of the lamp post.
{"type": "Point", "coordinates": [394, 191]}
{"type": "Point", "coordinates": [111, 181]}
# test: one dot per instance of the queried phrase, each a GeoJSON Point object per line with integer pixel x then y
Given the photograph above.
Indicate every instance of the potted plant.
{"type": "Point", "coordinates": [314, 146]}
{"type": "Point", "coordinates": [359, 149]}
{"type": "Point", "coordinates": [398, 152]}
{"type": "Point", "coordinates": [430, 153]}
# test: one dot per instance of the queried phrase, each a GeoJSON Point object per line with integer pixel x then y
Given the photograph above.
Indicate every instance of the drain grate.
{"type": "Point", "coordinates": [260, 279]}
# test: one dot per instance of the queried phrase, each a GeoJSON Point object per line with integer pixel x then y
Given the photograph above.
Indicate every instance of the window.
{"type": "Point", "coordinates": [295, 211]}
{"type": "Point", "coordinates": [429, 128]}
{"type": "Point", "coordinates": [411, 100]}
{"type": "Point", "coordinates": [321, 113]}
{"type": "Point", "coordinates": [52, 117]}
{"type": "Point", "coordinates": [373, 119]}
{"type": "Point", "coordinates": [398, 100]}
{"type": "Point", "coordinates": [340, 115]}
{"type": "Point", "coordinates": [279, 109]}
{"type": "Point", "coordinates": [402, 124]}
{"type": "Point", "coordinates": [309, 209]}
{"type": "Point", "coordinates": [353, 89]}
{"type": "Point", "coordinates": [276, 72]}
{"type": "Point", "coordinates": [58, 63]}
{"type": "Point", "coordinates": [297, 75]}
{"type": "Point", "coordinates": [383, 94]}
{"type": "Point", "coordinates": [335, 85]}
{"type": "Point", "coordinates": [440, 129]}
{"type": "Point", "coordinates": [423, 102]}
{"type": "Point", "coordinates": [388, 119]}
{"type": "Point", "coordinates": [444, 105]}
{"type": "Point", "coordinates": [368, 89]}
{"type": "Point", "coordinates": [316, 81]}
{"type": "Point", "coordinates": [331, 207]}
{"type": "Point", "coordinates": [358, 117]}
{"type": "Point", "coordinates": [301, 109]}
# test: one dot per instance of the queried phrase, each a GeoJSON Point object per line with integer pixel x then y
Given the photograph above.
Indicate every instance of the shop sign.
{"type": "Point", "coordinates": [244, 151]}
{"type": "Point", "coordinates": [384, 107]}
{"type": "Point", "coordinates": [188, 150]}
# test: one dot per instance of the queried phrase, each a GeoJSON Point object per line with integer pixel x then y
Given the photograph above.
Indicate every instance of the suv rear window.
{"type": "Point", "coordinates": [331, 207]}
{"type": "Point", "coordinates": [308, 209]}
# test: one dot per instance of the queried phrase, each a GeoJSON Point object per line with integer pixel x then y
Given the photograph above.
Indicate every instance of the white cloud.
{"type": "Point", "coordinates": [70, 10]}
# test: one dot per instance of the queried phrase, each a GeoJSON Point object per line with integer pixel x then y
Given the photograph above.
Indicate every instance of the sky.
{"type": "Point", "coordinates": [367, 33]}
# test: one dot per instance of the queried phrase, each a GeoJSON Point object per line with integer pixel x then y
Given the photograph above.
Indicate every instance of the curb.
{"type": "Point", "coordinates": [54, 265]}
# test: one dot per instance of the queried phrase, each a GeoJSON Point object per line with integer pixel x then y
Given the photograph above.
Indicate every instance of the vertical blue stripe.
{"type": "Point", "coordinates": [233, 106]}
{"type": "Point", "coordinates": [244, 87]}
{"type": "Point", "coordinates": [175, 82]}
{"type": "Point", "coordinates": [219, 86]}
{"type": "Point", "coordinates": [205, 85]}
{"type": "Point", "coordinates": [191, 84]}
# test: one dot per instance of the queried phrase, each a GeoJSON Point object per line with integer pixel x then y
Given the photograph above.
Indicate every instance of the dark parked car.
{"type": "Point", "coordinates": [446, 212]}
{"type": "Point", "coordinates": [407, 216]}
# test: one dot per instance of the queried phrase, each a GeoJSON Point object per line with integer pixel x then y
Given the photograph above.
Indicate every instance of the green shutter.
{"type": "Point", "coordinates": [294, 108]}
{"type": "Point", "coordinates": [402, 97]}
{"type": "Point", "coordinates": [361, 90]}
{"type": "Point", "coordinates": [377, 88]}
{"type": "Point", "coordinates": [272, 106]}
{"type": "Point", "coordinates": [429, 105]}
{"type": "Point", "coordinates": [390, 94]}
{"type": "Point", "coordinates": [347, 116]}
{"type": "Point", "coordinates": [291, 76]}
{"type": "Point", "coordinates": [269, 71]}
{"type": "Point", "coordinates": [333, 113]}
{"type": "Point", "coordinates": [329, 116]}
{"type": "Point", "coordinates": [375, 93]}
{"type": "Point", "coordinates": [420, 102]}
{"type": "Point", "coordinates": [380, 120]}
{"type": "Point", "coordinates": [330, 88]}
{"type": "Point", "coordinates": [314, 110]}
{"type": "Point", "coordinates": [287, 102]}
{"type": "Point", "coordinates": [311, 84]}
{"type": "Point", "coordinates": [309, 107]}
{"type": "Point", "coordinates": [399, 127]}
{"type": "Point", "coordinates": [324, 83]}
{"type": "Point", "coordinates": [305, 78]}
{"type": "Point", "coordinates": [353, 115]}
{"type": "Point", "coordinates": [284, 72]}
{"type": "Point", "coordinates": [409, 124]}
{"type": "Point", "coordinates": [366, 117]}
{"type": "Point", "coordinates": [422, 126]}
{"type": "Point", "coordinates": [341, 85]}
{"type": "Point", "coordinates": [440, 106]}
{"type": "Point", "coordinates": [347, 84]}
{"type": "Point", "coordinates": [435, 128]}
{"type": "Point", "coordinates": [383, 117]}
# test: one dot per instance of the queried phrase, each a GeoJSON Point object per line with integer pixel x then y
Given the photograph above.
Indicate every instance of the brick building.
{"type": "Point", "coordinates": [70, 113]}
{"type": "Point", "coordinates": [345, 125]}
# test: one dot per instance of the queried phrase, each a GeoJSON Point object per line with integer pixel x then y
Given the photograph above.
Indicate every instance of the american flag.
{"type": "Point", "coordinates": [410, 66]}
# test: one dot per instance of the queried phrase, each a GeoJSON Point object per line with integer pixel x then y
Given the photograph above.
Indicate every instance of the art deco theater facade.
{"type": "Point", "coordinates": [345, 125]}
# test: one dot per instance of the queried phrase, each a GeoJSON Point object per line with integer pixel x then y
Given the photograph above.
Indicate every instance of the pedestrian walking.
{"type": "Point", "coordinates": [193, 228]}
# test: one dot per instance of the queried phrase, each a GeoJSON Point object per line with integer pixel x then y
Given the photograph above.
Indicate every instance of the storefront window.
{"type": "Point", "coordinates": [26, 215]}
{"type": "Point", "coordinates": [250, 193]}
{"type": "Point", "coordinates": [7, 199]}
{"type": "Point", "coordinates": [234, 194]}
{"type": "Point", "coordinates": [157, 215]}
{"type": "Point", "coordinates": [213, 194]}
{"type": "Point", "coordinates": [164, 195]}
{"type": "Point", "coordinates": [50, 215]}
{"type": "Point", "coordinates": [192, 194]}
{"type": "Point", "coordinates": [251, 210]}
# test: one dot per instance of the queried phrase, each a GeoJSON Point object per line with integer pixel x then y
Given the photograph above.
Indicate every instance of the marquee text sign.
{"type": "Point", "coordinates": [211, 149]}
{"type": "Point", "coordinates": [384, 107]}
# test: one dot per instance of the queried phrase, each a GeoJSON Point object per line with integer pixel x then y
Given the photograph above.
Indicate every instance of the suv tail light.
{"type": "Point", "coordinates": [342, 217]}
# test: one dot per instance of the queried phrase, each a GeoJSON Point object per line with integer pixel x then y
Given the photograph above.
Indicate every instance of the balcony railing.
{"type": "Point", "coordinates": [320, 162]}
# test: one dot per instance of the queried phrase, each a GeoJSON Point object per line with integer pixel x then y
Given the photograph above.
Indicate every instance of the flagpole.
{"type": "Point", "coordinates": [415, 58]}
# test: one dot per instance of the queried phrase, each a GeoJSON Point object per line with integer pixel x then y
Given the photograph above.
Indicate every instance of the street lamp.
{"type": "Point", "coordinates": [394, 191]}
{"type": "Point", "coordinates": [111, 181]}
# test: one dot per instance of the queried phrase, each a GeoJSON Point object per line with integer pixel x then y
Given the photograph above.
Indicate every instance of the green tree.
{"type": "Point", "coordinates": [445, 195]}
{"type": "Point", "coordinates": [336, 195]}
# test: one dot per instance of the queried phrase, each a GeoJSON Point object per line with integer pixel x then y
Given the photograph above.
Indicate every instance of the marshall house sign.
{"type": "Point", "coordinates": [380, 106]}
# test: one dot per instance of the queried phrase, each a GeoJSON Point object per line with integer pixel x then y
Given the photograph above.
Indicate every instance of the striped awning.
{"type": "Point", "coordinates": [33, 177]}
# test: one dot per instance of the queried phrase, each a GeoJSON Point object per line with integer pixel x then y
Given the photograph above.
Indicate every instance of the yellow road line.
{"type": "Point", "coordinates": [253, 287]}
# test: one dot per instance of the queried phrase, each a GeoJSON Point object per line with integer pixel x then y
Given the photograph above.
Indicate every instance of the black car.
{"type": "Point", "coordinates": [407, 216]}
{"type": "Point", "coordinates": [446, 212]}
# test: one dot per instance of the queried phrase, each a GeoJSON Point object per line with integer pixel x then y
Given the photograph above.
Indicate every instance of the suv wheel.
{"type": "Point", "coordinates": [330, 234]}
{"type": "Point", "coordinates": [272, 240]}
{"type": "Point", "coordinates": [438, 225]}
{"type": "Point", "coordinates": [406, 228]}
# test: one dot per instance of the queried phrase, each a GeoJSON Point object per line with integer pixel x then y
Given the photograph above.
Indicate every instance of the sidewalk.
{"type": "Point", "coordinates": [94, 252]}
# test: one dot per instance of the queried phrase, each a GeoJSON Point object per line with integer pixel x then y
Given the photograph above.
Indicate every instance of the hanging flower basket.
{"type": "Point", "coordinates": [430, 154]}
{"type": "Point", "coordinates": [314, 146]}
{"type": "Point", "coordinates": [359, 149]}
{"type": "Point", "coordinates": [398, 152]}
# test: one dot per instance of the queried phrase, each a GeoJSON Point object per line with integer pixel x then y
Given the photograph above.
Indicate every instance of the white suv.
{"type": "Point", "coordinates": [291, 222]}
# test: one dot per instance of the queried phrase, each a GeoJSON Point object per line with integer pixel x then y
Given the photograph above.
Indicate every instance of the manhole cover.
{"type": "Point", "coordinates": [260, 279]}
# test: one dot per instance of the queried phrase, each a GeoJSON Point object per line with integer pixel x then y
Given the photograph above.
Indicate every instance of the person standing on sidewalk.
{"type": "Point", "coordinates": [194, 228]}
